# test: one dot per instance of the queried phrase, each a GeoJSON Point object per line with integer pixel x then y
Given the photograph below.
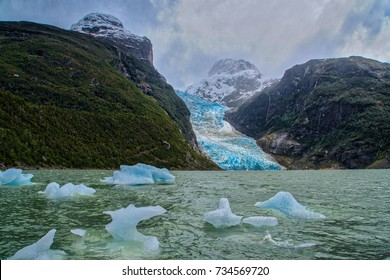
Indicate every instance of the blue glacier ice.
{"type": "Point", "coordinates": [140, 174]}
{"type": "Point", "coordinates": [124, 224]}
{"type": "Point", "coordinates": [14, 176]}
{"type": "Point", "coordinates": [260, 221]}
{"type": "Point", "coordinates": [223, 216]}
{"type": "Point", "coordinates": [286, 203]}
{"type": "Point", "coordinates": [54, 190]}
{"type": "Point", "coordinates": [40, 250]}
{"type": "Point", "coordinates": [227, 147]}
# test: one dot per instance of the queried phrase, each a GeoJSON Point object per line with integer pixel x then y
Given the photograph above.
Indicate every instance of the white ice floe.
{"type": "Point", "coordinates": [54, 190]}
{"type": "Point", "coordinates": [260, 221]}
{"type": "Point", "coordinates": [286, 203]}
{"type": "Point", "coordinates": [14, 176]}
{"type": "Point", "coordinates": [78, 231]}
{"type": "Point", "coordinates": [125, 220]}
{"type": "Point", "coordinates": [140, 174]}
{"type": "Point", "coordinates": [223, 216]}
{"type": "Point", "coordinates": [40, 250]}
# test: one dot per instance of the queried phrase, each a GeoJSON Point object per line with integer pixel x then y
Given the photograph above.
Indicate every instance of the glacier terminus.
{"type": "Point", "coordinates": [230, 149]}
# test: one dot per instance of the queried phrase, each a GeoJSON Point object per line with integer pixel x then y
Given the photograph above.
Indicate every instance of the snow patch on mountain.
{"type": "Point", "coordinates": [230, 82]}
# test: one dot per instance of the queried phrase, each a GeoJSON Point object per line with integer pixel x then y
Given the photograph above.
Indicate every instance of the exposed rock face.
{"type": "Point", "coordinates": [323, 113]}
{"type": "Point", "coordinates": [281, 144]}
{"type": "Point", "coordinates": [230, 82]}
{"type": "Point", "coordinates": [107, 26]}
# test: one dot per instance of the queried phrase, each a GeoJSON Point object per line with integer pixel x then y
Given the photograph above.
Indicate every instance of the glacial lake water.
{"type": "Point", "coordinates": [356, 205]}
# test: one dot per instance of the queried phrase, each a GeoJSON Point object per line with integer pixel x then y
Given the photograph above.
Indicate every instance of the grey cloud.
{"type": "Point", "coordinates": [190, 35]}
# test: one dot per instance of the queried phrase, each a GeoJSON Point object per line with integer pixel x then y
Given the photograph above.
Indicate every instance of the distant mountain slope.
{"type": "Point", "coordinates": [63, 103]}
{"type": "Point", "coordinates": [230, 82]}
{"type": "Point", "coordinates": [324, 113]}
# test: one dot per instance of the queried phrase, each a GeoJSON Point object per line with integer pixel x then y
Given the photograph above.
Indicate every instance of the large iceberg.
{"type": "Point", "coordinates": [230, 149]}
{"type": "Point", "coordinates": [40, 250]}
{"type": "Point", "coordinates": [260, 221]}
{"type": "Point", "coordinates": [223, 216]}
{"type": "Point", "coordinates": [14, 176]}
{"type": "Point", "coordinates": [140, 174]}
{"type": "Point", "coordinates": [286, 203]}
{"type": "Point", "coordinates": [124, 224]}
{"type": "Point", "coordinates": [54, 190]}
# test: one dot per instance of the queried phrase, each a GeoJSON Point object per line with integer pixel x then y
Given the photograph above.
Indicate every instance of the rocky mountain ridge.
{"type": "Point", "coordinates": [327, 113]}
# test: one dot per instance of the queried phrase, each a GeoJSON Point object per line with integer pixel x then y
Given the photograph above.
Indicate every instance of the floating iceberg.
{"type": "Point", "coordinates": [286, 203]}
{"type": "Point", "coordinates": [78, 231]}
{"type": "Point", "coordinates": [223, 216]}
{"type": "Point", "coordinates": [260, 221]}
{"type": "Point", "coordinates": [54, 190]}
{"type": "Point", "coordinates": [14, 176]}
{"type": "Point", "coordinates": [230, 149]}
{"type": "Point", "coordinates": [140, 174]}
{"type": "Point", "coordinates": [125, 220]}
{"type": "Point", "coordinates": [40, 250]}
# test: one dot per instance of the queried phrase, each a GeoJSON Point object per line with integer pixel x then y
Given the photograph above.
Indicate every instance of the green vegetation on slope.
{"type": "Point", "coordinates": [63, 103]}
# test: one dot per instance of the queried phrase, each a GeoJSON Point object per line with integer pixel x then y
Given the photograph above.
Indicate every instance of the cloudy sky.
{"type": "Point", "coordinates": [188, 36]}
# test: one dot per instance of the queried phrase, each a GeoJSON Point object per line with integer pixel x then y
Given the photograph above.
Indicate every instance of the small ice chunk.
{"type": "Point", "coordinates": [286, 244]}
{"type": "Point", "coordinates": [286, 203]}
{"type": "Point", "coordinates": [140, 174]}
{"type": "Point", "coordinates": [125, 220]}
{"type": "Point", "coordinates": [56, 191]}
{"type": "Point", "coordinates": [305, 245]}
{"type": "Point", "coordinates": [223, 216]}
{"type": "Point", "coordinates": [268, 238]}
{"type": "Point", "coordinates": [14, 176]}
{"type": "Point", "coordinates": [78, 231]}
{"type": "Point", "coordinates": [40, 250]}
{"type": "Point", "coordinates": [260, 221]}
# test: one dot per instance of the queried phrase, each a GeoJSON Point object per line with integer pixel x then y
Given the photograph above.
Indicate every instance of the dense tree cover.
{"type": "Point", "coordinates": [63, 103]}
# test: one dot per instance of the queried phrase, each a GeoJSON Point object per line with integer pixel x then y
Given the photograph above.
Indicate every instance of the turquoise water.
{"type": "Point", "coordinates": [355, 203]}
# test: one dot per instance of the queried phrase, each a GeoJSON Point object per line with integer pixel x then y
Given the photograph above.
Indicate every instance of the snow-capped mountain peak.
{"type": "Point", "coordinates": [110, 27]}
{"type": "Point", "coordinates": [103, 25]}
{"type": "Point", "coordinates": [230, 82]}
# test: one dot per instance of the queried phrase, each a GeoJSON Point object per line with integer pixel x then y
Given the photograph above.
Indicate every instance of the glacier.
{"type": "Point", "coordinates": [223, 216]}
{"type": "Point", "coordinates": [14, 176]}
{"type": "Point", "coordinates": [140, 174]}
{"type": "Point", "coordinates": [54, 190]}
{"type": "Point", "coordinates": [230, 149]}
{"type": "Point", "coordinates": [286, 203]}
{"type": "Point", "coordinates": [125, 220]}
{"type": "Point", "coordinates": [40, 250]}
